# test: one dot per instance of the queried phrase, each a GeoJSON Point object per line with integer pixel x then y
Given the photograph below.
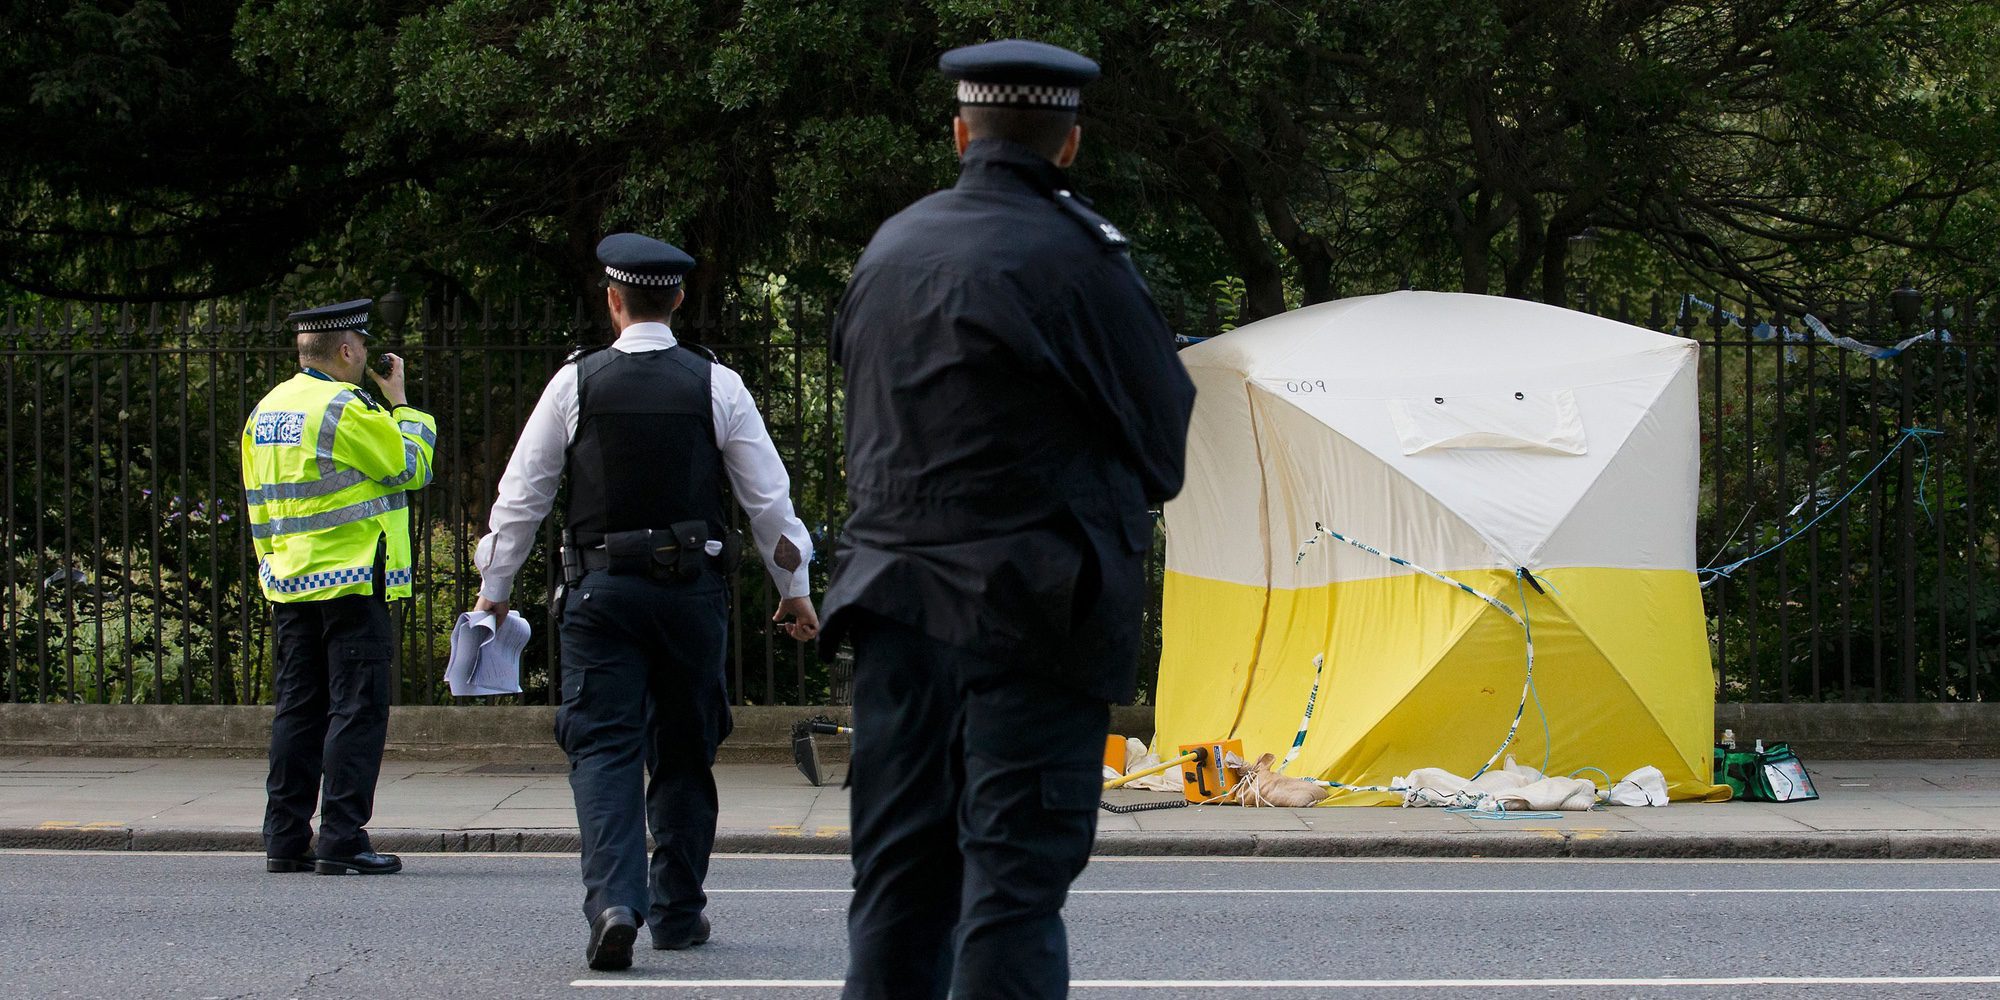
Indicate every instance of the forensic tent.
{"type": "Point", "coordinates": [1544, 457]}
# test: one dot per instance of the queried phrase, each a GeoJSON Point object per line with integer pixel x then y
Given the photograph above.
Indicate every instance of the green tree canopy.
{"type": "Point", "coordinates": [1806, 150]}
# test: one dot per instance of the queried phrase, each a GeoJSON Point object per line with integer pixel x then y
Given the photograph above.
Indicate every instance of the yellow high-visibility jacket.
{"type": "Point", "coordinates": [327, 475]}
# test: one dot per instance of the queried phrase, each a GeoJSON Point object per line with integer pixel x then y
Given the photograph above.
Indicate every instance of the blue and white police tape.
{"type": "Point", "coordinates": [1521, 578]}
{"type": "Point", "coordinates": [1312, 698]}
{"type": "Point", "coordinates": [1817, 329]}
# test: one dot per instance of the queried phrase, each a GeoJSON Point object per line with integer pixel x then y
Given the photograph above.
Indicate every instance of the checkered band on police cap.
{"type": "Point", "coordinates": [630, 278]}
{"type": "Point", "coordinates": [332, 323]}
{"type": "Point", "coordinates": [1019, 95]}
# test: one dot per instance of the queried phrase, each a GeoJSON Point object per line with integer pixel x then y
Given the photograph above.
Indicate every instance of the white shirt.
{"type": "Point", "coordinates": [528, 487]}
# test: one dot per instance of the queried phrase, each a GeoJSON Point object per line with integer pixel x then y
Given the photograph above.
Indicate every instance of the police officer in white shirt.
{"type": "Point", "coordinates": [645, 430]}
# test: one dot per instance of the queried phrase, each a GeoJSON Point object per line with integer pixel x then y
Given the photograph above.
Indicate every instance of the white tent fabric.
{"type": "Point", "coordinates": [1434, 362]}
{"type": "Point", "coordinates": [1472, 435]}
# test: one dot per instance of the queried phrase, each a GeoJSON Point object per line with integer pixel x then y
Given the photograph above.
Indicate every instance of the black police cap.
{"type": "Point", "coordinates": [350, 315]}
{"type": "Point", "coordinates": [633, 259]}
{"type": "Point", "coordinates": [1015, 72]}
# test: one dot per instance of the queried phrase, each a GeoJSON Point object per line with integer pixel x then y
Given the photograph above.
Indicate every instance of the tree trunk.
{"type": "Point", "coordinates": [1528, 235]}
{"type": "Point", "coordinates": [1310, 251]}
{"type": "Point", "coordinates": [1474, 236]}
{"type": "Point", "coordinates": [1233, 214]}
{"type": "Point", "coordinates": [1555, 253]}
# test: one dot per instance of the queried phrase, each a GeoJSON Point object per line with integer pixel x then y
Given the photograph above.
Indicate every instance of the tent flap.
{"type": "Point", "coordinates": [1542, 420]}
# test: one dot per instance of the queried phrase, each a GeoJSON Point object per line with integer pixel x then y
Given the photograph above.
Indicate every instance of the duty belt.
{"type": "Point", "coordinates": [598, 560]}
{"type": "Point", "coordinates": [678, 552]}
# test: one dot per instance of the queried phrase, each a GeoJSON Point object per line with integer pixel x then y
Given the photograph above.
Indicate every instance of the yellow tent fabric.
{"type": "Point", "coordinates": [1476, 437]}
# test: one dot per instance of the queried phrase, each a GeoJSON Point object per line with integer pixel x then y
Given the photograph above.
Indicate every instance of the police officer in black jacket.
{"type": "Point", "coordinates": [1014, 410]}
{"type": "Point", "coordinates": [646, 430]}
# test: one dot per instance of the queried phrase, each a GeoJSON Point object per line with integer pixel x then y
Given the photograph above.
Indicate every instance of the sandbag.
{"type": "Point", "coordinates": [1644, 787]}
{"type": "Point", "coordinates": [1263, 786]}
{"type": "Point", "coordinates": [1435, 786]}
{"type": "Point", "coordinates": [1549, 794]}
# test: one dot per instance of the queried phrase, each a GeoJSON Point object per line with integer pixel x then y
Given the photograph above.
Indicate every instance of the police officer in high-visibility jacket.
{"type": "Point", "coordinates": [328, 468]}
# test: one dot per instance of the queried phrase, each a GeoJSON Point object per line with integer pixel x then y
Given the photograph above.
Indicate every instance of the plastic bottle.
{"type": "Point", "coordinates": [1729, 739]}
{"type": "Point", "coordinates": [1760, 746]}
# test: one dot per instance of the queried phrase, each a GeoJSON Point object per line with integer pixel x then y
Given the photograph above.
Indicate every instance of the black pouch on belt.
{"type": "Point", "coordinates": [630, 553]}
{"type": "Point", "coordinates": [572, 560]}
{"type": "Point", "coordinates": [683, 561]}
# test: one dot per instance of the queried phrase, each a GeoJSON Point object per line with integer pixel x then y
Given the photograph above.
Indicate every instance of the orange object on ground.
{"type": "Point", "coordinates": [1114, 752]}
{"type": "Point", "coordinates": [1208, 777]}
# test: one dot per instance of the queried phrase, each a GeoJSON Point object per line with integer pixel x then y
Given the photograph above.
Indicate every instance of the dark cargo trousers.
{"type": "Point", "coordinates": [974, 805]}
{"type": "Point", "coordinates": [643, 686]}
{"type": "Point", "coordinates": [332, 682]}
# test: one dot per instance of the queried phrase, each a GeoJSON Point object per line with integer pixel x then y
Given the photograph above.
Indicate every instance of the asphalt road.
{"type": "Point", "coordinates": [192, 927]}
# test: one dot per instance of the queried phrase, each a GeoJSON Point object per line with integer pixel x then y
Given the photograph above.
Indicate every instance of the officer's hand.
{"type": "Point", "coordinates": [805, 621]}
{"type": "Point", "coordinates": [497, 608]}
{"type": "Point", "coordinates": [392, 383]}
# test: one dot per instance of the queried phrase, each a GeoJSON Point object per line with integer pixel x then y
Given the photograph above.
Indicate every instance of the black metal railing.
{"type": "Point", "coordinates": [127, 575]}
{"type": "Point", "coordinates": [1892, 595]}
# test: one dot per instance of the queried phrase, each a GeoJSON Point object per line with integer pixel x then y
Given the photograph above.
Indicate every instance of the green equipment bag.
{"type": "Point", "coordinates": [1776, 775]}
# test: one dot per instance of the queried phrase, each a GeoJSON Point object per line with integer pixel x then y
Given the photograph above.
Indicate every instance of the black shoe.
{"type": "Point", "coordinates": [365, 863]}
{"type": "Point", "coordinates": [700, 936]}
{"type": "Point", "coordinates": [287, 865]}
{"type": "Point", "coordinates": [611, 936]}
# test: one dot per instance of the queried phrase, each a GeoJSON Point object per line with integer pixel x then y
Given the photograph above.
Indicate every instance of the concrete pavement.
{"type": "Point", "coordinates": [1869, 809]}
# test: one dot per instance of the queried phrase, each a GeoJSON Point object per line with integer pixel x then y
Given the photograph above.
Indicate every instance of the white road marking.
{"type": "Point", "coordinates": [719, 984]}
{"type": "Point", "coordinates": [1566, 862]}
{"type": "Point", "coordinates": [1348, 984]}
{"type": "Point", "coordinates": [1774, 891]}
{"type": "Point", "coordinates": [1095, 861]}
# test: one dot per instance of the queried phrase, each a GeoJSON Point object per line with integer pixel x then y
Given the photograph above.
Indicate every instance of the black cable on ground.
{"type": "Point", "coordinates": [1137, 807]}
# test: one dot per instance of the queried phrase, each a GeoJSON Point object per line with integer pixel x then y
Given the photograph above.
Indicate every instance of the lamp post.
{"type": "Point", "coordinates": [1907, 304]}
{"type": "Point", "coordinates": [394, 307]}
{"type": "Point", "coordinates": [1582, 248]}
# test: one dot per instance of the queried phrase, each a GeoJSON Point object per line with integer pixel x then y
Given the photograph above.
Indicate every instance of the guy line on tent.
{"type": "Point", "coordinates": [1712, 572]}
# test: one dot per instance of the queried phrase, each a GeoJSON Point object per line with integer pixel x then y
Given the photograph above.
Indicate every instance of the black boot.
{"type": "Point", "coordinates": [611, 936]}
{"type": "Point", "coordinates": [699, 936]}
{"type": "Point", "coordinates": [365, 863]}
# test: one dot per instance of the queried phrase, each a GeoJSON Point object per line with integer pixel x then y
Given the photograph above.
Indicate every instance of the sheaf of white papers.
{"type": "Point", "coordinates": [485, 658]}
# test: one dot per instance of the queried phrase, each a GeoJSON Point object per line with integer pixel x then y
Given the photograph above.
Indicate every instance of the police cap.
{"type": "Point", "coordinates": [1017, 73]}
{"type": "Point", "coordinates": [632, 259]}
{"type": "Point", "coordinates": [350, 315]}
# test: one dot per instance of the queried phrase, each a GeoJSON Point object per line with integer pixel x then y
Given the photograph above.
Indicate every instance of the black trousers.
{"type": "Point", "coordinates": [332, 683]}
{"type": "Point", "coordinates": [974, 799]}
{"type": "Point", "coordinates": [643, 687]}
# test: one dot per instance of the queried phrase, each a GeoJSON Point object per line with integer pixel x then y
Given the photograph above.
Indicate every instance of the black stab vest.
{"type": "Point", "coordinates": [644, 455]}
